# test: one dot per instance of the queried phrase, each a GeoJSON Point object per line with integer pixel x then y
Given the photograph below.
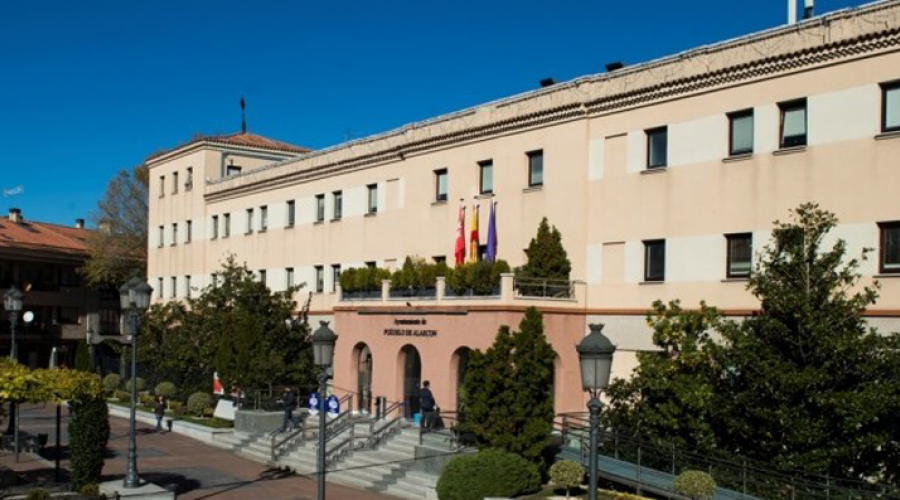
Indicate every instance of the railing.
{"type": "Point", "coordinates": [283, 442]}
{"type": "Point", "coordinates": [544, 288]}
{"type": "Point", "coordinates": [446, 427]}
{"type": "Point", "coordinates": [652, 467]}
{"type": "Point", "coordinates": [377, 434]}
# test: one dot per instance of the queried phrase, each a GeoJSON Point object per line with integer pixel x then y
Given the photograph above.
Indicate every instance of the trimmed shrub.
{"type": "Point", "coordinates": [111, 382]}
{"type": "Point", "coordinates": [147, 400]}
{"type": "Point", "coordinates": [567, 474]}
{"type": "Point", "coordinates": [165, 389]}
{"type": "Point", "coordinates": [140, 384]}
{"type": "Point", "coordinates": [39, 494]}
{"type": "Point", "coordinates": [488, 473]}
{"type": "Point", "coordinates": [177, 407]}
{"type": "Point", "coordinates": [122, 395]}
{"type": "Point", "coordinates": [90, 491]}
{"type": "Point", "coordinates": [88, 436]}
{"type": "Point", "coordinates": [198, 403]}
{"type": "Point", "coordinates": [695, 484]}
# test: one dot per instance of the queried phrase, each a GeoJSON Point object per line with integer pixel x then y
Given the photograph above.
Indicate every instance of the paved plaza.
{"type": "Point", "coordinates": [190, 468]}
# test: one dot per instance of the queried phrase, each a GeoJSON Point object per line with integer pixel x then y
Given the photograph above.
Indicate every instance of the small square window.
{"type": "Point", "coordinates": [291, 213]}
{"type": "Point", "coordinates": [740, 255]}
{"type": "Point", "coordinates": [337, 210]}
{"type": "Point", "coordinates": [536, 168]}
{"type": "Point", "coordinates": [320, 207]}
{"type": "Point", "coordinates": [657, 147]}
{"type": "Point", "coordinates": [740, 133]}
{"type": "Point", "coordinates": [486, 177]}
{"type": "Point", "coordinates": [793, 124]}
{"type": "Point", "coordinates": [440, 185]}
{"type": "Point", "coordinates": [373, 198]}
{"type": "Point", "coordinates": [655, 260]}
{"type": "Point", "coordinates": [889, 254]}
{"type": "Point", "coordinates": [890, 116]}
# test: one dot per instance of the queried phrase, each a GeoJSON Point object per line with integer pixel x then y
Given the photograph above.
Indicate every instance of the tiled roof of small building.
{"type": "Point", "coordinates": [245, 139]}
{"type": "Point", "coordinates": [33, 235]}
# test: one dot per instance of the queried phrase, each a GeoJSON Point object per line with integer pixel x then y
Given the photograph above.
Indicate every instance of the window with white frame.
{"type": "Point", "coordinates": [889, 253]}
{"type": "Point", "coordinates": [320, 207]}
{"type": "Point", "coordinates": [657, 147]}
{"type": "Point", "coordinates": [793, 124]}
{"type": "Point", "coordinates": [655, 260]}
{"type": "Point", "coordinates": [215, 226]}
{"type": "Point", "coordinates": [372, 190]}
{"type": "Point", "coordinates": [291, 213]}
{"type": "Point", "coordinates": [188, 230]}
{"type": "Point", "coordinates": [337, 205]}
{"type": "Point", "coordinates": [535, 168]}
{"type": "Point", "coordinates": [740, 133]}
{"type": "Point", "coordinates": [739, 255]}
{"type": "Point", "coordinates": [486, 177]}
{"type": "Point", "coordinates": [263, 218]}
{"type": "Point", "coordinates": [320, 279]}
{"type": "Point", "coordinates": [890, 104]}
{"type": "Point", "coordinates": [289, 277]}
{"type": "Point", "coordinates": [335, 276]}
{"type": "Point", "coordinates": [440, 185]}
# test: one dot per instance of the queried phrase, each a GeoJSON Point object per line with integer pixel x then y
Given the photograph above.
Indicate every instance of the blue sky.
{"type": "Point", "coordinates": [90, 87]}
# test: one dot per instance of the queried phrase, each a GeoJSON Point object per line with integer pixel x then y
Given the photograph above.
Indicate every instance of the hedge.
{"type": "Point", "coordinates": [198, 403]}
{"type": "Point", "coordinates": [488, 473]}
{"type": "Point", "coordinates": [695, 484]}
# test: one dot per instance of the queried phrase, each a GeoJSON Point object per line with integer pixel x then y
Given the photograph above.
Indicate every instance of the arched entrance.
{"type": "Point", "coordinates": [461, 367]}
{"type": "Point", "coordinates": [412, 379]}
{"type": "Point", "coordinates": [363, 358]}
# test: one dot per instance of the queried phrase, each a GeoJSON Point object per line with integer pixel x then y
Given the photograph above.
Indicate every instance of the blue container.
{"type": "Point", "coordinates": [417, 418]}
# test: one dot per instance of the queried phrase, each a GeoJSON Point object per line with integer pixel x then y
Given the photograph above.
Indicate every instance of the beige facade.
{"type": "Point", "coordinates": [828, 79]}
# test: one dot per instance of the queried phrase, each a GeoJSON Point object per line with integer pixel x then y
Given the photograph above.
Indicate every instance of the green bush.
{"type": "Point", "coordinates": [198, 403]}
{"type": "Point", "coordinates": [165, 389]}
{"type": "Point", "coordinates": [141, 385]}
{"type": "Point", "coordinates": [90, 491]}
{"type": "Point", "coordinates": [488, 473]}
{"type": "Point", "coordinates": [146, 399]}
{"type": "Point", "coordinates": [88, 436]}
{"type": "Point", "coordinates": [567, 474]}
{"type": "Point", "coordinates": [83, 357]}
{"type": "Point", "coordinates": [695, 484]}
{"type": "Point", "coordinates": [122, 395]}
{"type": "Point", "coordinates": [481, 278]}
{"type": "Point", "coordinates": [177, 407]}
{"type": "Point", "coordinates": [363, 279]}
{"type": "Point", "coordinates": [111, 382]}
{"type": "Point", "coordinates": [38, 494]}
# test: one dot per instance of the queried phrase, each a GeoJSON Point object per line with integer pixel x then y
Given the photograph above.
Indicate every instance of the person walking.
{"type": "Point", "coordinates": [428, 406]}
{"type": "Point", "coordinates": [159, 409]}
{"type": "Point", "coordinates": [290, 403]}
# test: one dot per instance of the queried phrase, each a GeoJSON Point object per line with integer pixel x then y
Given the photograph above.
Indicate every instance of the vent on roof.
{"type": "Point", "coordinates": [614, 66]}
{"type": "Point", "coordinates": [79, 223]}
{"type": "Point", "coordinates": [15, 215]}
{"type": "Point", "coordinates": [547, 82]}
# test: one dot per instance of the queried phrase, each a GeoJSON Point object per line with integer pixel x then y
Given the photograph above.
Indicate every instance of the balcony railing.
{"type": "Point", "coordinates": [510, 290]}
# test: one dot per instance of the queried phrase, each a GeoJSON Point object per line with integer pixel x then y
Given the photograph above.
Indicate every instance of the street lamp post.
{"type": "Point", "coordinates": [13, 302]}
{"type": "Point", "coordinates": [134, 299]}
{"type": "Point", "coordinates": [323, 353]}
{"type": "Point", "coordinates": [595, 352]}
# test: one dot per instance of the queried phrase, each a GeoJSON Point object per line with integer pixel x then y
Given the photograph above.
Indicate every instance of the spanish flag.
{"type": "Point", "coordinates": [473, 238]}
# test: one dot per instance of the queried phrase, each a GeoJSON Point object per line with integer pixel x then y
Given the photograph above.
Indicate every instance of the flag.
{"type": "Point", "coordinates": [491, 254]}
{"type": "Point", "coordinates": [460, 252]}
{"type": "Point", "coordinates": [473, 238]}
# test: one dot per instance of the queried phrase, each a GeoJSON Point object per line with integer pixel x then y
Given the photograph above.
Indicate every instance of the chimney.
{"type": "Point", "coordinates": [808, 8]}
{"type": "Point", "coordinates": [15, 215]}
{"type": "Point", "coordinates": [79, 223]}
{"type": "Point", "coordinates": [792, 11]}
{"type": "Point", "coordinates": [547, 82]}
{"type": "Point", "coordinates": [614, 66]}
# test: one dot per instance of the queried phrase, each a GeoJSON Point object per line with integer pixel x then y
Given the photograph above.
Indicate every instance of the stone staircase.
{"type": "Point", "coordinates": [387, 469]}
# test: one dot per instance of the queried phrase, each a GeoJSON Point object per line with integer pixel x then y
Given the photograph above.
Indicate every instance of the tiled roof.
{"type": "Point", "coordinates": [32, 235]}
{"type": "Point", "coordinates": [245, 139]}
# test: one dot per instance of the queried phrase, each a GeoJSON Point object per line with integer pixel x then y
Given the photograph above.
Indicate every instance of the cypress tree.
{"type": "Point", "coordinates": [547, 258]}
{"type": "Point", "coordinates": [88, 437]}
{"type": "Point", "coordinates": [82, 357]}
{"type": "Point", "coordinates": [488, 396]}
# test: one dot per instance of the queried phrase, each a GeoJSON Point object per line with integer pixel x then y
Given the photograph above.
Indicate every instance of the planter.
{"type": "Point", "coordinates": [189, 429]}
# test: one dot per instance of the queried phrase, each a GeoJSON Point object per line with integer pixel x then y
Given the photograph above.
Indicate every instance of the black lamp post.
{"type": "Point", "coordinates": [134, 299]}
{"type": "Point", "coordinates": [596, 354]}
{"type": "Point", "coordinates": [13, 301]}
{"type": "Point", "coordinates": [323, 354]}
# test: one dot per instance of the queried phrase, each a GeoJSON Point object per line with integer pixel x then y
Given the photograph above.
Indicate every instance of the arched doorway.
{"type": "Point", "coordinates": [461, 366]}
{"type": "Point", "coordinates": [412, 379]}
{"type": "Point", "coordinates": [363, 358]}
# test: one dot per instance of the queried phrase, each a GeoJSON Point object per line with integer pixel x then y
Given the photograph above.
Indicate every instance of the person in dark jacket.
{"type": "Point", "coordinates": [159, 409]}
{"type": "Point", "coordinates": [289, 400]}
{"type": "Point", "coordinates": [428, 406]}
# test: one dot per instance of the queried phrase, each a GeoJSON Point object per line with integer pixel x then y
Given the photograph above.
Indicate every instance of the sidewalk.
{"type": "Point", "coordinates": [193, 470]}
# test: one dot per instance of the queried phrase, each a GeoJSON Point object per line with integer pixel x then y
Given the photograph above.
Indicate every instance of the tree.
{"type": "Point", "coordinates": [508, 399]}
{"type": "Point", "coordinates": [88, 437]}
{"type": "Point", "coordinates": [118, 248]}
{"type": "Point", "coordinates": [547, 258]}
{"type": "Point", "coordinates": [82, 357]}
{"type": "Point", "coordinates": [804, 384]}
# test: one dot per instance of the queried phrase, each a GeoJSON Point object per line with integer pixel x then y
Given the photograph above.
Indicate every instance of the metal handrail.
{"type": "Point", "coordinates": [451, 433]}
{"type": "Point", "coordinates": [277, 446]}
{"type": "Point", "coordinates": [376, 434]}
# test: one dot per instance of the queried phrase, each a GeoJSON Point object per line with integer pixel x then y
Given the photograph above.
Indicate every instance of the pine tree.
{"type": "Point", "coordinates": [547, 257]}
{"type": "Point", "coordinates": [83, 357]}
{"type": "Point", "coordinates": [488, 397]}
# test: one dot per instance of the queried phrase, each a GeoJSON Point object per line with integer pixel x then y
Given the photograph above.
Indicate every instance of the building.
{"type": "Point", "coordinates": [42, 260]}
{"type": "Point", "coordinates": [664, 179]}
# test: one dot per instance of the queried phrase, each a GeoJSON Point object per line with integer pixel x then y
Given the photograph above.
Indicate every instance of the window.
{"type": "Point", "coordinates": [440, 185]}
{"type": "Point", "coordinates": [162, 186]}
{"type": "Point", "coordinates": [173, 288]}
{"type": "Point", "coordinates": [740, 255]}
{"type": "Point", "coordinates": [371, 265]}
{"type": "Point", "coordinates": [320, 279]}
{"type": "Point", "coordinates": [189, 182]}
{"type": "Point", "coordinates": [215, 280]}
{"type": "Point", "coordinates": [188, 229]}
{"type": "Point", "coordinates": [174, 234]}
{"type": "Point", "coordinates": [291, 213]}
{"type": "Point", "coordinates": [289, 277]}
{"type": "Point", "coordinates": [536, 168]}
{"type": "Point", "coordinates": [263, 218]}
{"type": "Point", "coordinates": [162, 237]}
{"type": "Point", "coordinates": [793, 124]}
{"type": "Point", "coordinates": [655, 260]}
{"type": "Point", "coordinates": [890, 115]}
{"type": "Point", "coordinates": [187, 286]}
{"type": "Point", "coordinates": [373, 198]}
{"type": "Point", "coordinates": [262, 276]}
{"type": "Point", "coordinates": [335, 276]}
{"type": "Point", "coordinates": [440, 259]}
{"type": "Point", "coordinates": [215, 226]}
{"type": "Point", "coordinates": [740, 133]}
{"type": "Point", "coordinates": [232, 170]}
{"type": "Point", "coordinates": [320, 207]}
{"type": "Point", "coordinates": [657, 147]}
{"type": "Point", "coordinates": [486, 177]}
{"type": "Point", "coordinates": [226, 231]}
{"type": "Point", "coordinates": [890, 247]}
{"type": "Point", "coordinates": [338, 207]}
{"type": "Point", "coordinates": [249, 221]}
{"type": "Point", "coordinates": [159, 288]}
{"type": "Point", "coordinates": [174, 182]}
